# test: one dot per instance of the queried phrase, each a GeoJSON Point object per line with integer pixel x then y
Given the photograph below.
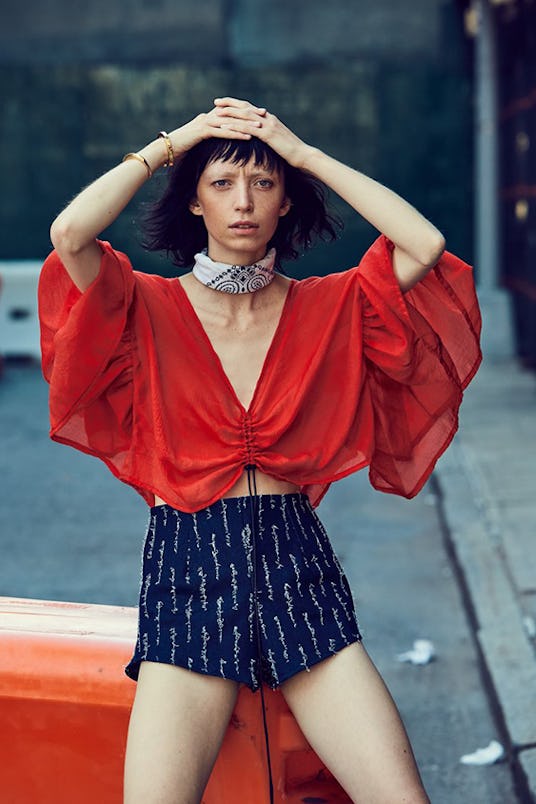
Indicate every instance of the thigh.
{"type": "Point", "coordinates": [349, 718]}
{"type": "Point", "coordinates": [177, 724]}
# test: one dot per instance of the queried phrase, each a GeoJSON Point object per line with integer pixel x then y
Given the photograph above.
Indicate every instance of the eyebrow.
{"type": "Point", "coordinates": [262, 172]}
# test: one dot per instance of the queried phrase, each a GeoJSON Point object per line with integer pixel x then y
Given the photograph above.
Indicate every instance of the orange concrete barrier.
{"type": "Point", "coordinates": [64, 708]}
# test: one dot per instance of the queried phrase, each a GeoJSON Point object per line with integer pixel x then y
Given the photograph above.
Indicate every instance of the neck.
{"type": "Point", "coordinates": [233, 308]}
{"type": "Point", "coordinates": [216, 253]}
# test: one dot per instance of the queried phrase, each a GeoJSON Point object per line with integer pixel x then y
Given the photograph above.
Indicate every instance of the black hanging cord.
{"type": "Point", "coordinates": [253, 500]}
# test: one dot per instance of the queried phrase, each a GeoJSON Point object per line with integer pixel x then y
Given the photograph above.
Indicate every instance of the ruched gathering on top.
{"type": "Point", "coordinates": [357, 374]}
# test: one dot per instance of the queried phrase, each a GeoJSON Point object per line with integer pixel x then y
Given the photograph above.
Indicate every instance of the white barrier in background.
{"type": "Point", "coordinates": [19, 322]}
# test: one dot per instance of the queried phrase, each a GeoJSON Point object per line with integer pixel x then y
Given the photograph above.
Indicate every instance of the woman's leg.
{"type": "Point", "coordinates": [176, 728]}
{"type": "Point", "coordinates": [348, 716]}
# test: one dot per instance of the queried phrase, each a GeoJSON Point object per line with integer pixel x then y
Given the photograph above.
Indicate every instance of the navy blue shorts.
{"type": "Point", "coordinates": [251, 604]}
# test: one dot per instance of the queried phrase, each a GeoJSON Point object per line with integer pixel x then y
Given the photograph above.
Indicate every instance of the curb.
{"type": "Point", "coordinates": [475, 529]}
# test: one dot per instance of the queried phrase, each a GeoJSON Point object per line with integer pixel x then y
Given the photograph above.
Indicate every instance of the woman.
{"type": "Point", "coordinates": [230, 398]}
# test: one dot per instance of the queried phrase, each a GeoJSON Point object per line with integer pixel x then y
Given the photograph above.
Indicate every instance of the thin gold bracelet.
{"type": "Point", "coordinates": [141, 159]}
{"type": "Point", "coordinates": [170, 155]}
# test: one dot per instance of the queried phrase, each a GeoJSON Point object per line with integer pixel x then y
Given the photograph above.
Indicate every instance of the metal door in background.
{"type": "Point", "coordinates": [516, 48]}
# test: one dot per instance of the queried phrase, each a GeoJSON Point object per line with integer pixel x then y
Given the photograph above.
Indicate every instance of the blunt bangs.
{"type": "Point", "coordinates": [238, 152]}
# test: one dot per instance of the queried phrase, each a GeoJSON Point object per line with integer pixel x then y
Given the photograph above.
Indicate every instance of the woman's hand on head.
{"type": "Point", "coordinates": [256, 121]}
{"type": "Point", "coordinates": [204, 126]}
{"type": "Point", "coordinates": [236, 119]}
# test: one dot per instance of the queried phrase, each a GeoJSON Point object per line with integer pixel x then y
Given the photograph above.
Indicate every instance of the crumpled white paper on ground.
{"type": "Point", "coordinates": [422, 653]}
{"type": "Point", "coordinates": [484, 756]}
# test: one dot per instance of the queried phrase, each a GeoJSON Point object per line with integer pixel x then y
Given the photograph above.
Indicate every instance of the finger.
{"type": "Point", "coordinates": [230, 134]}
{"type": "Point", "coordinates": [237, 121]}
{"type": "Point", "coordinates": [247, 128]}
{"type": "Point", "coordinates": [247, 113]}
{"type": "Point", "coordinates": [228, 101]}
{"type": "Point", "coordinates": [234, 118]}
{"type": "Point", "coordinates": [239, 104]}
{"type": "Point", "coordinates": [229, 131]}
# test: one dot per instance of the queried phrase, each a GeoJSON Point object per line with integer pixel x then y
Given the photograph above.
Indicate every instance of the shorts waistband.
{"type": "Point", "coordinates": [240, 501]}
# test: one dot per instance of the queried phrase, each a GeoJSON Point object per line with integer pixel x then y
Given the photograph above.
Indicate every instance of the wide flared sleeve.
{"type": "Point", "coordinates": [86, 347]}
{"type": "Point", "coordinates": [421, 350]}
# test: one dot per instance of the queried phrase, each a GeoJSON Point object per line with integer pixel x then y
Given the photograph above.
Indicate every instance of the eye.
{"type": "Point", "coordinates": [220, 183]}
{"type": "Point", "coordinates": [265, 183]}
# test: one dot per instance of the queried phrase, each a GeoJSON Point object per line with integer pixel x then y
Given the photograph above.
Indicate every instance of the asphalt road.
{"type": "Point", "coordinates": [70, 531]}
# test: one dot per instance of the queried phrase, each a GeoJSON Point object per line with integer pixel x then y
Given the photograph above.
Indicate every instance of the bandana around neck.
{"type": "Point", "coordinates": [234, 278]}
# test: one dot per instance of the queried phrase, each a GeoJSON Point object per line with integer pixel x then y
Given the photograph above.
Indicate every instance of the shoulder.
{"type": "Point", "coordinates": [154, 282]}
{"type": "Point", "coordinates": [160, 296]}
{"type": "Point", "coordinates": [376, 258]}
{"type": "Point", "coordinates": [334, 283]}
{"type": "Point", "coordinates": [143, 279]}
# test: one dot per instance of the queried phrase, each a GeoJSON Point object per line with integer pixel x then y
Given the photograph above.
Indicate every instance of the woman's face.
{"type": "Point", "coordinates": [241, 206]}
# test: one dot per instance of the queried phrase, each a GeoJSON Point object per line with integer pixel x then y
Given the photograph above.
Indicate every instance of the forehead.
{"type": "Point", "coordinates": [227, 166]}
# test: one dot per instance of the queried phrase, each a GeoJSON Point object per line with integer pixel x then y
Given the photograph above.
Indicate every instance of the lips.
{"type": "Point", "coordinates": [244, 225]}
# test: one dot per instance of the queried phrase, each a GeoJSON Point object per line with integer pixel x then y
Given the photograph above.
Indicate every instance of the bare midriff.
{"type": "Point", "coordinates": [264, 485]}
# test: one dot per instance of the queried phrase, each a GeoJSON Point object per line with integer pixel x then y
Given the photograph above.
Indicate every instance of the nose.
{"type": "Point", "coordinates": [243, 197]}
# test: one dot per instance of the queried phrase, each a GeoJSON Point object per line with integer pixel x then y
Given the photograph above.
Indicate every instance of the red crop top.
{"type": "Point", "coordinates": [357, 374]}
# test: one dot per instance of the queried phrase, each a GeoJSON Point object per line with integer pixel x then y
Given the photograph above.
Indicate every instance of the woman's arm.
{"type": "Point", "coordinates": [418, 244]}
{"type": "Point", "coordinates": [74, 232]}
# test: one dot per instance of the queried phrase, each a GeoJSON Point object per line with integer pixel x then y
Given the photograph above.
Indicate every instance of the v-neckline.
{"type": "Point", "coordinates": [271, 348]}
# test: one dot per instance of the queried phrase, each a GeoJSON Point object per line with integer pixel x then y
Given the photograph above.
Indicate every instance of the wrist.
{"type": "Point", "coordinates": [307, 158]}
{"type": "Point", "coordinates": [185, 137]}
{"type": "Point", "coordinates": [155, 153]}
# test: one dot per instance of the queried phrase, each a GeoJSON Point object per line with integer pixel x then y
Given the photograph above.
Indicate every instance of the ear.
{"type": "Point", "coordinates": [285, 206]}
{"type": "Point", "coordinates": [195, 207]}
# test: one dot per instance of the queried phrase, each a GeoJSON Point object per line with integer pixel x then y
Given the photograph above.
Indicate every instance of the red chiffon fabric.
{"type": "Point", "coordinates": [357, 374]}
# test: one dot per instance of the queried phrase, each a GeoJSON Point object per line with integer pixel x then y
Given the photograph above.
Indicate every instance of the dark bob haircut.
{"type": "Point", "coordinates": [168, 225]}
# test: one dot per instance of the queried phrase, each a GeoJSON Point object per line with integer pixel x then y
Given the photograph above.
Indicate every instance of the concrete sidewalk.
{"type": "Point", "coordinates": [487, 482]}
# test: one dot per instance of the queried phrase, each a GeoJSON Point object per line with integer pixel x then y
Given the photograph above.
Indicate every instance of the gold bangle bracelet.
{"type": "Point", "coordinates": [169, 148]}
{"type": "Point", "coordinates": [141, 159]}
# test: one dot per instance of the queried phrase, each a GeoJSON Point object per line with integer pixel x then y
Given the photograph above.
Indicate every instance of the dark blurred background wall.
{"type": "Point", "coordinates": [384, 86]}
